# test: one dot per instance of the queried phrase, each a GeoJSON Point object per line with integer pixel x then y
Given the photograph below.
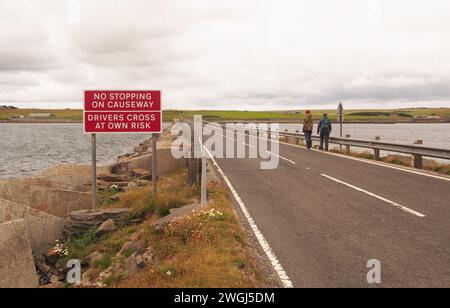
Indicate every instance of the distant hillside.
{"type": "Point", "coordinates": [407, 115]}
{"type": "Point", "coordinates": [355, 116]}
{"type": "Point", "coordinates": [5, 107]}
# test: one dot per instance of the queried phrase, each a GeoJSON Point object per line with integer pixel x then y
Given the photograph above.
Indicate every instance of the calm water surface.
{"type": "Point", "coordinates": [26, 149]}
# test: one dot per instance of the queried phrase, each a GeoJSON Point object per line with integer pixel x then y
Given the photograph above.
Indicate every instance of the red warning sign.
{"type": "Point", "coordinates": [122, 112]}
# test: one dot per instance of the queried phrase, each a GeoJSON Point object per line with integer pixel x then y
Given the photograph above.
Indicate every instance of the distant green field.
{"type": "Point", "coordinates": [364, 115]}
{"type": "Point", "coordinates": [60, 114]}
{"type": "Point", "coordinates": [359, 115]}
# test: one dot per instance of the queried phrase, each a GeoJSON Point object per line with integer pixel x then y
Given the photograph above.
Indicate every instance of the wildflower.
{"type": "Point", "coordinates": [169, 273]}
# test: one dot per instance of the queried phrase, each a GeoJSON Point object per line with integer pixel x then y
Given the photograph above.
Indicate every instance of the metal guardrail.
{"type": "Point", "coordinates": [417, 151]}
{"type": "Point", "coordinates": [384, 146]}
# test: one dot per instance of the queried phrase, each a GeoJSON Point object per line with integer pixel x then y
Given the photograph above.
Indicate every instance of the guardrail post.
{"type": "Point", "coordinates": [418, 161]}
{"type": "Point", "coordinates": [347, 147]}
{"type": "Point", "coordinates": [376, 152]}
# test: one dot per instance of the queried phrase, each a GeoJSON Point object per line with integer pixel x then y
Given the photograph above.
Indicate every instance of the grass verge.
{"type": "Point", "coordinates": [206, 248]}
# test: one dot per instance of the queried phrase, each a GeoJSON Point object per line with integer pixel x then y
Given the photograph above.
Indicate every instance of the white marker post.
{"type": "Point", "coordinates": [204, 179]}
{"type": "Point", "coordinates": [94, 172]}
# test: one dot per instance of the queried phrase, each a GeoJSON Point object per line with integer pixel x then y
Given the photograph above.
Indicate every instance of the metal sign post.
{"type": "Point", "coordinates": [94, 172]}
{"type": "Point", "coordinates": [154, 168]}
{"type": "Point", "coordinates": [340, 118]}
{"type": "Point", "coordinates": [121, 111]}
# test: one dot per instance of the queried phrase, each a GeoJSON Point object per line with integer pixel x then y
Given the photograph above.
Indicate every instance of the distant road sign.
{"type": "Point", "coordinates": [122, 112]}
{"type": "Point", "coordinates": [340, 114]}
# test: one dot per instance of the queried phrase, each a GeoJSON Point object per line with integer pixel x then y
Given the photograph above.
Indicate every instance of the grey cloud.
{"type": "Point", "coordinates": [250, 54]}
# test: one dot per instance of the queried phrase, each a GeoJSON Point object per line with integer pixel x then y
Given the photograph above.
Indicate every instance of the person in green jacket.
{"type": "Point", "coordinates": [308, 128]}
{"type": "Point", "coordinates": [324, 129]}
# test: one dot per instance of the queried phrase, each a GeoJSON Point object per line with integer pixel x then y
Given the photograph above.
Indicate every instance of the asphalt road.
{"type": "Point", "coordinates": [326, 216]}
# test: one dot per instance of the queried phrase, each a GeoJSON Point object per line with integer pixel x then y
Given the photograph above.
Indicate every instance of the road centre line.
{"type": "Point", "coordinates": [394, 204]}
{"type": "Point", "coordinates": [281, 157]}
{"type": "Point", "coordinates": [386, 165]}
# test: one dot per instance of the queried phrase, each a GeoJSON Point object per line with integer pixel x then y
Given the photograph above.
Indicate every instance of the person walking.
{"type": "Point", "coordinates": [308, 128]}
{"type": "Point", "coordinates": [324, 129]}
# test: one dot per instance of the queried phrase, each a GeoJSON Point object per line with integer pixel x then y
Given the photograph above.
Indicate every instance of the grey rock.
{"type": "Point", "coordinates": [131, 247]}
{"type": "Point", "coordinates": [139, 173]}
{"type": "Point", "coordinates": [175, 214]}
{"type": "Point", "coordinates": [106, 227]}
{"type": "Point", "coordinates": [148, 256]}
{"type": "Point", "coordinates": [134, 264]}
{"type": "Point", "coordinates": [93, 257]}
{"type": "Point", "coordinates": [81, 221]}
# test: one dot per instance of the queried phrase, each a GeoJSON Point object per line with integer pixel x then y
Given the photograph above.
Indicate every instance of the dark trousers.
{"type": "Point", "coordinates": [308, 139]}
{"type": "Point", "coordinates": [324, 138]}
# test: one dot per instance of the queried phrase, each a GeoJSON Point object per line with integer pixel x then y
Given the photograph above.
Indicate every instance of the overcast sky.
{"type": "Point", "coordinates": [228, 54]}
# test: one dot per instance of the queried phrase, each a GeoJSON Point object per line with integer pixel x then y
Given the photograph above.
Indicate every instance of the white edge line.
{"type": "Point", "coordinates": [394, 204]}
{"type": "Point", "coordinates": [287, 283]}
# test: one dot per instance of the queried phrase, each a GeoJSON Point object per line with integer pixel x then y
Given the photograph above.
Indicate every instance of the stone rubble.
{"type": "Point", "coordinates": [69, 186]}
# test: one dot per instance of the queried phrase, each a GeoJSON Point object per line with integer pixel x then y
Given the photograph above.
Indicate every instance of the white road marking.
{"type": "Point", "coordinates": [386, 165]}
{"type": "Point", "coordinates": [394, 204]}
{"type": "Point", "coordinates": [287, 283]}
{"type": "Point", "coordinates": [367, 161]}
{"type": "Point", "coordinates": [252, 146]}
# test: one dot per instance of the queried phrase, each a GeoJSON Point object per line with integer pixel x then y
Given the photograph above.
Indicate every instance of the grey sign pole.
{"type": "Point", "coordinates": [94, 172]}
{"type": "Point", "coordinates": [340, 118]}
{"type": "Point", "coordinates": [154, 170]}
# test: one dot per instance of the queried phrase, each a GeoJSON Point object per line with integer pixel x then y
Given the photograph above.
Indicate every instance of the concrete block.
{"type": "Point", "coordinates": [56, 202]}
{"type": "Point", "coordinates": [17, 269]}
{"type": "Point", "coordinates": [59, 182]}
{"type": "Point", "coordinates": [43, 229]}
{"type": "Point", "coordinates": [166, 163]}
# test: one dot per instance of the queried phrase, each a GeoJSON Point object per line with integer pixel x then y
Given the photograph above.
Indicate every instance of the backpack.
{"type": "Point", "coordinates": [325, 126]}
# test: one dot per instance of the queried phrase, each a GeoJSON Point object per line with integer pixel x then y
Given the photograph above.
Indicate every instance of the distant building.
{"type": "Point", "coordinates": [41, 115]}
{"type": "Point", "coordinates": [17, 117]}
